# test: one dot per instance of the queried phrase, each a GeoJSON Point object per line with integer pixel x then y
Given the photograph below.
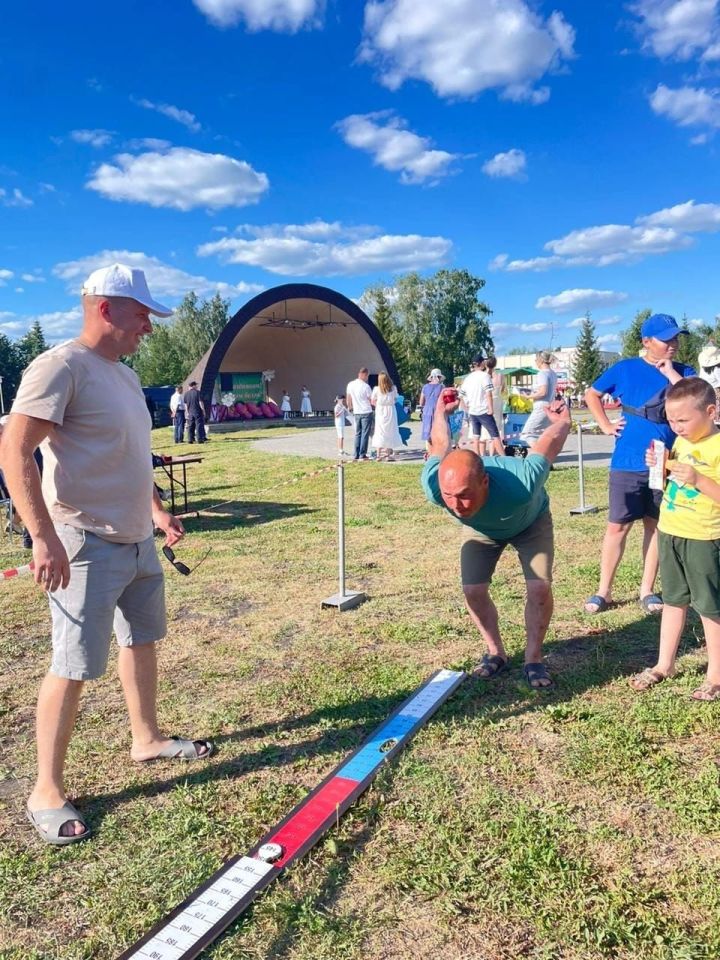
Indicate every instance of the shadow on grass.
{"type": "Point", "coordinates": [240, 513]}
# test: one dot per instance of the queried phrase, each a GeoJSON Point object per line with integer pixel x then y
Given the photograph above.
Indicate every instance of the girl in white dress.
{"type": "Point", "coordinates": [386, 437]}
{"type": "Point", "coordinates": [340, 412]}
{"type": "Point", "coordinates": [285, 405]}
{"type": "Point", "coordinates": [305, 405]}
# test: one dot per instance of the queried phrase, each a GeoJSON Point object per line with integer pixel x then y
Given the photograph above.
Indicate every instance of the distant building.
{"type": "Point", "coordinates": [565, 357]}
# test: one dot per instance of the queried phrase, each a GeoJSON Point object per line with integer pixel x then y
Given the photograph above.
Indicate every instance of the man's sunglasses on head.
{"type": "Point", "coordinates": [179, 565]}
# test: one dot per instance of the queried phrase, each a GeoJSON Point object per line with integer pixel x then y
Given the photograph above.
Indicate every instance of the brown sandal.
{"type": "Point", "coordinates": [647, 679]}
{"type": "Point", "coordinates": [707, 692]}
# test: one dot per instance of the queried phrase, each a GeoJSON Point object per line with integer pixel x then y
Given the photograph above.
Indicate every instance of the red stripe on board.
{"type": "Point", "coordinates": [311, 816]}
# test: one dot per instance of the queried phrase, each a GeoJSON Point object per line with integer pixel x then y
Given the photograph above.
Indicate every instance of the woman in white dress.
{"type": "Point", "coordinates": [285, 406]}
{"type": "Point", "coordinates": [305, 405]}
{"type": "Point", "coordinates": [386, 437]}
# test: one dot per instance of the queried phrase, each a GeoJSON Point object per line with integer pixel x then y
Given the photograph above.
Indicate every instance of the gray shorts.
{"type": "Point", "coordinates": [113, 586]}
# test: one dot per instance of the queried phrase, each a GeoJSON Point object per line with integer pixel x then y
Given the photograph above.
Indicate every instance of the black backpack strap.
{"type": "Point", "coordinates": [652, 410]}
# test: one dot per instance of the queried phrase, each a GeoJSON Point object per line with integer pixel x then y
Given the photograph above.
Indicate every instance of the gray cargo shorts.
{"type": "Point", "coordinates": [113, 586]}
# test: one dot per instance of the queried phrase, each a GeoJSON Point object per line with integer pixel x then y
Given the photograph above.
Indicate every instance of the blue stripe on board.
{"type": "Point", "coordinates": [371, 756]}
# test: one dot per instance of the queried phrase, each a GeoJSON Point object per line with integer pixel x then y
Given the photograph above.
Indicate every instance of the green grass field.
{"type": "Point", "coordinates": [574, 825]}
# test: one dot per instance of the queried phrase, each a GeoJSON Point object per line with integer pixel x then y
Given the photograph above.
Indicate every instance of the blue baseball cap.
{"type": "Point", "coordinates": [661, 326]}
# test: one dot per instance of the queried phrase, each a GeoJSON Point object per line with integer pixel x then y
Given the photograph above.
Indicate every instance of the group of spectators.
{"type": "Point", "coordinates": [501, 501]}
{"type": "Point", "coordinates": [188, 408]}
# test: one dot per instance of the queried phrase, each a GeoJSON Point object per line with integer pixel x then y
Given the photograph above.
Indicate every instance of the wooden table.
{"type": "Point", "coordinates": [178, 478]}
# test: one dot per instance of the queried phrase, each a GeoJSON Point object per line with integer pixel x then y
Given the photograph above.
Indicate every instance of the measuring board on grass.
{"type": "Point", "coordinates": [202, 917]}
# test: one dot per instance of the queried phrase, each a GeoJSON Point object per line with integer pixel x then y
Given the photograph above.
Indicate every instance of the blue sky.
{"type": "Point", "coordinates": [564, 151]}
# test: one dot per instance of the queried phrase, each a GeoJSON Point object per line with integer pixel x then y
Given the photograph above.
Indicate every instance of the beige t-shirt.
{"type": "Point", "coordinates": [97, 472]}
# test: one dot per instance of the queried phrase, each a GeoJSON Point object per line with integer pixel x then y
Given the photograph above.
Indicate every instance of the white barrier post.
{"type": "Point", "coordinates": [582, 508]}
{"type": "Point", "coordinates": [343, 599]}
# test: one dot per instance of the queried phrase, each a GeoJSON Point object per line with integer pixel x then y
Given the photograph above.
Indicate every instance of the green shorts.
{"type": "Point", "coordinates": [690, 571]}
{"type": "Point", "coordinates": [479, 554]}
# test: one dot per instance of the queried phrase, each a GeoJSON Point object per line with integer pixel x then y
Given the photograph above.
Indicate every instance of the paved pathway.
{"type": "Point", "coordinates": [322, 443]}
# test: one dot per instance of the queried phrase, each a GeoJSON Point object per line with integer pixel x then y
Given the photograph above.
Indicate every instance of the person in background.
{"type": "Point", "coordinates": [359, 395]}
{"type": "Point", "coordinates": [640, 383]}
{"type": "Point", "coordinates": [305, 403]}
{"type": "Point", "coordinates": [689, 533]}
{"type": "Point", "coordinates": [285, 405]}
{"type": "Point", "coordinates": [195, 413]}
{"type": "Point", "coordinates": [543, 392]}
{"type": "Point", "coordinates": [340, 412]}
{"type": "Point", "coordinates": [386, 437]}
{"type": "Point", "coordinates": [177, 411]}
{"type": "Point", "coordinates": [709, 370]}
{"type": "Point", "coordinates": [428, 402]}
{"type": "Point", "coordinates": [476, 391]}
{"type": "Point", "coordinates": [496, 402]}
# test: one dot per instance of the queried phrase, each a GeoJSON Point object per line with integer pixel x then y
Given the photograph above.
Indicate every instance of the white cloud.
{"type": "Point", "coordinates": [608, 321]}
{"type": "Point", "coordinates": [535, 327]}
{"type": "Point", "coordinates": [496, 329]}
{"type": "Point", "coordinates": [616, 243]}
{"type": "Point", "coordinates": [164, 280]}
{"type": "Point", "coordinates": [14, 199]}
{"type": "Point", "coordinates": [608, 339]}
{"type": "Point", "coordinates": [148, 143]}
{"type": "Point", "coordinates": [5, 275]}
{"type": "Point", "coordinates": [32, 278]}
{"type": "Point", "coordinates": [577, 322]}
{"type": "Point", "coordinates": [94, 138]}
{"type": "Point", "coordinates": [327, 249]}
{"type": "Point", "coordinates": [687, 106]}
{"type": "Point", "coordinates": [181, 178]}
{"type": "Point", "coordinates": [462, 47]}
{"type": "Point", "coordinates": [280, 15]}
{"type": "Point", "coordinates": [509, 164]}
{"type": "Point", "coordinates": [395, 148]}
{"type": "Point", "coordinates": [680, 29]}
{"type": "Point", "coordinates": [184, 117]}
{"type": "Point", "coordinates": [577, 299]}
{"type": "Point", "coordinates": [690, 217]}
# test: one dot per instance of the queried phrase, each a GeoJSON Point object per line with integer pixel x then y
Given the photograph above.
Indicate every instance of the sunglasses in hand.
{"type": "Point", "coordinates": [181, 567]}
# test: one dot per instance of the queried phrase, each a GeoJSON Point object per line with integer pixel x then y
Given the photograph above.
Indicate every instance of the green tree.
{"type": "Point", "coordinates": [10, 370]}
{"type": "Point", "coordinates": [690, 345]}
{"type": "Point", "coordinates": [175, 346]}
{"type": "Point", "coordinates": [630, 338]}
{"type": "Point", "coordinates": [587, 365]}
{"type": "Point", "coordinates": [31, 345]}
{"type": "Point", "coordinates": [442, 323]}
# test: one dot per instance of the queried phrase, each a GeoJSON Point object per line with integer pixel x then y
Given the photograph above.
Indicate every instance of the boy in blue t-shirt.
{"type": "Point", "coordinates": [639, 382]}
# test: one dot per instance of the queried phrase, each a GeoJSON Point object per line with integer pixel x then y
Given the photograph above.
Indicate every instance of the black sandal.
{"type": "Point", "coordinates": [534, 673]}
{"type": "Point", "coordinates": [492, 664]}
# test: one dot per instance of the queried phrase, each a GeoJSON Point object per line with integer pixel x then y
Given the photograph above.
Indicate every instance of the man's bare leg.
{"type": "Point", "coordinates": [57, 709]}
{"type": "Point", "coordinates": [650, 561]}
{"type": "Point", "coordinates": [484, 615]}
{"type": "Point", "coordinates": [137, 668]}
{"type": "Point", "coordinates": [613, 548]}
{"type": "Point", "coordinates": [538, 612]}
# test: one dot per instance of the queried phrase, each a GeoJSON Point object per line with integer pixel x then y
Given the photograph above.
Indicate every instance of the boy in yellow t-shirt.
{"type": "Point", "coordinates": [689, 533]}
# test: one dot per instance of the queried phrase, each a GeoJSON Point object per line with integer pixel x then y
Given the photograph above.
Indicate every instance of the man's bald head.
{"type": "Point", "coordinates": [463, 482]}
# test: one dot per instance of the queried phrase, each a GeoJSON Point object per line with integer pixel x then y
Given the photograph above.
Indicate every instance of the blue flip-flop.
{"type": "Point", "coordinates": [600, 602]}
{"type": "Point", "coordinates": [652, 599]}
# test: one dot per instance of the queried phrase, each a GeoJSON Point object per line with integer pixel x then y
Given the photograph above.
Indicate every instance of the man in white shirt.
{"type": "Point", "coordinates": [92, 527]}
{"type": "Point", "coordinates": [177, 409]}
{"type": "Point", "coordinates": [477, 393]}
{"type": "Point", "coordinates": [358, 402]}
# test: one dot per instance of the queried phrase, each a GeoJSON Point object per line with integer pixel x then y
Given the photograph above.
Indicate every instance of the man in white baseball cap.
{"type": "Point", "coordinates": [91, 519]}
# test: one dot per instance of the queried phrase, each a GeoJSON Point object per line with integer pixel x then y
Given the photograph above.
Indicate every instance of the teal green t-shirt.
{"type": "Point", "coordinates": [516, 497]}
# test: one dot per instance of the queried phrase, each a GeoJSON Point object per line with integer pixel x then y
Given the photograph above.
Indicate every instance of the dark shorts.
{"type": "Point", "coordinates": [486, 420]}
{"type": "Point", "coordinates": [690, 571]}
{"type": "Point", "coordinates": [631, 498]}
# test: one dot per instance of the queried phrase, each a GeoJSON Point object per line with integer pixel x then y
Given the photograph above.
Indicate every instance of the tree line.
{"type": "Point", "coordinates": [427, 321]}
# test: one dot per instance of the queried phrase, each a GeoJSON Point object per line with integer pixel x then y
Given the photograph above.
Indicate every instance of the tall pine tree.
{"type": "Point", "coordinates": [631, 339]}
{"type": "Point", "coordinates": [587, 365]}
{"type": "Point", "coordinates": [31, 345]}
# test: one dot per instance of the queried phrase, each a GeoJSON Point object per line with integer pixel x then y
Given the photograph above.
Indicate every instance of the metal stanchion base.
{"type": "Point", "coordinates": [581, 510]}
{"type": "Point", "coordinates": [344, 601]}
